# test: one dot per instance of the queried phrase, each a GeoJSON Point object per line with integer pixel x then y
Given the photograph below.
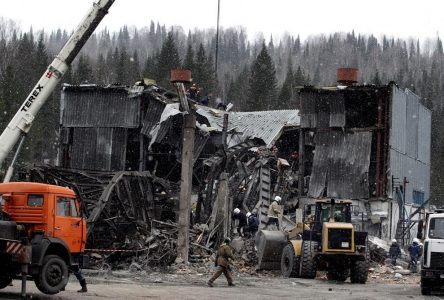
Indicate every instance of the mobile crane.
{"type": "Point", "coordinates": [21, 123]}
{"type": "Point", "coordinates": [41, 231]}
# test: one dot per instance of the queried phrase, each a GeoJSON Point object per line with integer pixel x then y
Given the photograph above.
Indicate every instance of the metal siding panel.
{"type": "Point", "coordinates": [412, 117]}
{"type": "Point", "coordinates": [103, 149]}
{"type": "Point", "coordinates": [308, 110]}
{"type": "Point", "coordinates": [100, 107]}
{"type": "Point", "coordinates": [398, 122]}
{"type": "Point", "coordinates": [424, 134]}
{"type": "Point", "coordinates": [416, 173]}
{"type": "Point", "coordinates": [152, 116]}
{"type": "Point", "coordinates": [337, 111]}
{"type": "Point", "coordinates": [348, 173]}
{"type": "Point", "coordinates": [84, 148]}
{"type": "Point", "coordinates": [341, 163]}
{"type": "Point", "coordinates": [318, 176]}
{"type": "Point", "coordinates": [118, 148]}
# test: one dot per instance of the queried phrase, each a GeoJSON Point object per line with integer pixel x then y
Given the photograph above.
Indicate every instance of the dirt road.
{"type": "Point", "coordinates": [185, 286]}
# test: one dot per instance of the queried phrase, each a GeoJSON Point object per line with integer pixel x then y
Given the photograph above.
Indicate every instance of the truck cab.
{"type": "Point", "coordinates": [45, 219]}
{"type": "Point", "coordinates": [432, 271]}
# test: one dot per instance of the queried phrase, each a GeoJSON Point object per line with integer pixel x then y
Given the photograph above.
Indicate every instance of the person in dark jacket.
{"type": "Point", "coordinates": [242, 221]}
{"type": "Point", "coordinates": [224, 253]}
{"type": "Point", "coordinates": [252, 223]}
{"type": "Point", "coordinates": [394, 252]}
{"type": "Point", "coordinates": [415, 252]}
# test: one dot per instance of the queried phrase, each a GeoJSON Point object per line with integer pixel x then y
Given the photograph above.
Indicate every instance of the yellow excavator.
{"type": "Point", "coordinates": [323, 240]}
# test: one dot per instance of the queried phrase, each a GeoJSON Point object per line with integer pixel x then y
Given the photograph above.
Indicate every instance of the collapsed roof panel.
{"type": "Point", "coordinates": [341, 164]}
{"type": "Point", "coordinates": [265, 125]}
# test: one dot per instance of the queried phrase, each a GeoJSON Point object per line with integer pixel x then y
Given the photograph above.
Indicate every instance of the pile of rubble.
{"type": "Point", "coordinates": [155, 250]}
{"type": "Point", "coordinates": [381, 269]}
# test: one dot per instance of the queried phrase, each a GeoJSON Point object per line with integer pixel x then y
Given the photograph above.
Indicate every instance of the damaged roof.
{"type": "Point", "coordinates": [264, 125]}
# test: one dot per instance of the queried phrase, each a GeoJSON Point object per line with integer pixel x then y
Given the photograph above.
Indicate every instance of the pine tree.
{"type": "Point", "coordinates": [188, 62]}
{"type": "Point", "coordinates": [168, 60]}
{"type": "Point", "coordinates": [134, 68]}
{"type": "Point", "coordinates": [8, 96]}
{"type": "Point", "coordinates": [122, 68]}
{"type": "Point", "coordinates": [376, 80]}
{"type": "Point", "coordinates": [101, 71]}
{"type": "Point", "coordinates": [287, 91]}
{"type": "Point", "coordinates": [83, 73]}
{"type": "Point", "coordinates": [262, 85]}
{"type": "Point", "coordinates": [203, 71]}
{"type": "Point", "coordinates": [299, 78]}
{"type": "Point", "coordinates": [149, 70]}
{"type": "Point", "coordinates": [238, 90]}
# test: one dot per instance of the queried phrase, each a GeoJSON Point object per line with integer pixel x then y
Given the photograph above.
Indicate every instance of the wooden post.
{"type": "Point", "coordinates": [301, 162]}
{"type": "Point", "coordinates": [189, 126]}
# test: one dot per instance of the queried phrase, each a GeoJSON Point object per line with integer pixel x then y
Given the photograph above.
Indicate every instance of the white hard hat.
{"type": "Point", "coordinates": [236, 210]}
{"type": "Point", "coordinates": [248, 214]}
{"type": "Point", "coordinates": [394, 241]}
{"type": "Point", "coordinates": [415, 240]}
{"type": "Point", "coordinates": [277, 198]}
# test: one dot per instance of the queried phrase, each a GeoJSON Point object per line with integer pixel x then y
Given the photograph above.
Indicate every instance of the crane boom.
{"type": "Point", "coordinates": [22, 120]}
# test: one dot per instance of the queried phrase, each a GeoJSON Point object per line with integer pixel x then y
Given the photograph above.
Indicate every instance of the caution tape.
{"type": "Point", "coordinates": [115, 250]}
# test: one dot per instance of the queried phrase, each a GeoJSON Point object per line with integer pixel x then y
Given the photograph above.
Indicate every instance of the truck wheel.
{"type": "Point", "coordinates": [359, 271]}
{"type": "Point", "coordinates": [5, 280]}
{"type": "Point", "coordinates": [425, 288]}
{"type": "Point", "coordinates": [426, 291]}
{"type": "Point", "coordinates": [289, 262]}
{"type": "Point", "coordinates": [53, 275]}
{"type": "Point", "coordinates": [308, 263]}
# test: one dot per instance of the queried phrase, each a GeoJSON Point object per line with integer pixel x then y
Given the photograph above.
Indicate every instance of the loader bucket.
{"type": "Point", "coordinates": [269, 245]}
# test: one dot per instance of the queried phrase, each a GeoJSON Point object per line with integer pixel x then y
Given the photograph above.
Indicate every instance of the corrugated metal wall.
{"type": "Point", "coordinates": [99, 148]}
{"type": "Point", "coordinates": [341, 163]}
{"type": "Point", "coordinates": [99, 108]}
{"type": "Point", "coordinates": [410, 138]}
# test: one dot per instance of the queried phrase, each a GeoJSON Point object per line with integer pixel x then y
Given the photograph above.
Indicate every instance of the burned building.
{"type": "Point", "coordinates": [119, 143]}
{"type": "Point", "coordinates": [367, 143]}
{"type": "Point", "coordinates": [370, 144]}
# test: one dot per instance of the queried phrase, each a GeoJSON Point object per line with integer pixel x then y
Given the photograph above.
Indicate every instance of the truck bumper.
{"type": "Point", "coordinates": [432, 274]}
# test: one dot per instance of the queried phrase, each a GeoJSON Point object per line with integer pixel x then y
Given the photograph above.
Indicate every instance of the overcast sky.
{"type": "Point", "coordinates": [408, 18]}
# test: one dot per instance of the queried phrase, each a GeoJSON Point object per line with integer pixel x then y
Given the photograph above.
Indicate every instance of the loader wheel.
{"type": "Point", "coordinates": [5, 280]}
{"type": "Point", "coordinates": [53, 275]}
{"type": "Point", "coordinates": [359, 271]}
{"type": "Point", "coordinates": [289, 262]}
{"type": "Point", "coordinates": [308, 263]}
{"type": "Point", "coordinates": [337, 274]}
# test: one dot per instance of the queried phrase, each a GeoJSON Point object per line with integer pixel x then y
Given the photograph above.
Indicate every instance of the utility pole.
{"type": "Point", "coordinates": [217, 39]}
{"type": "Point", "coordinates": [178, 78]}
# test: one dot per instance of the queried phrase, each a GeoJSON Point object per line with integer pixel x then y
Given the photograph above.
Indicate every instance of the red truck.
{"type": "Point", "coordinates": [42, 234]}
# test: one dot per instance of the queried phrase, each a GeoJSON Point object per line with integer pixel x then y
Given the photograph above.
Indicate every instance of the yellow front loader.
{"type": "Point", "coordinates": [325, 240]}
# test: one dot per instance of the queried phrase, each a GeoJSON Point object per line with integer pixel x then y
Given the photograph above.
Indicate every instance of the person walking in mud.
{"type": "Point", "coordinates": [224, 253]}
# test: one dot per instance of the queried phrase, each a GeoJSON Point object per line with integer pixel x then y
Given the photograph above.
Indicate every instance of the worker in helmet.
{"type": "Point", "coordinates": [252, 224]}
{"type": "Point", "coordinates": [415, 252]}
{"type": "Point", "coordinates": [394, 252]}
{"type": "Point", "coordinates": [274, 211]}
{"type": "Point", "coordinates": [224, 253]}
{"type": "Point", "coordinates": [242, 221]}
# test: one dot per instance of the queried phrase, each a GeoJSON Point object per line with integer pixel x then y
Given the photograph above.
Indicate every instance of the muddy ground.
{"type": "Point", "coordinates": [186, 284]}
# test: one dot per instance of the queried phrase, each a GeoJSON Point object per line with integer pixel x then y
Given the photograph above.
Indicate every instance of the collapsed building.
{"type": "Point", "coordinates": [370, 144]}
{"type": "Point", "coordinates": [120, 150]}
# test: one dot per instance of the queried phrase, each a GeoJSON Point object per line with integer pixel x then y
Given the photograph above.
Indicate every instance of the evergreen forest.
{"type": "Point", "coordinates": [263, 74]}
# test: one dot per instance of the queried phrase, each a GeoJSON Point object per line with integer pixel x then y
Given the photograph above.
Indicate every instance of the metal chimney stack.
{"type": "Point", "coordinates": [347, 76]}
